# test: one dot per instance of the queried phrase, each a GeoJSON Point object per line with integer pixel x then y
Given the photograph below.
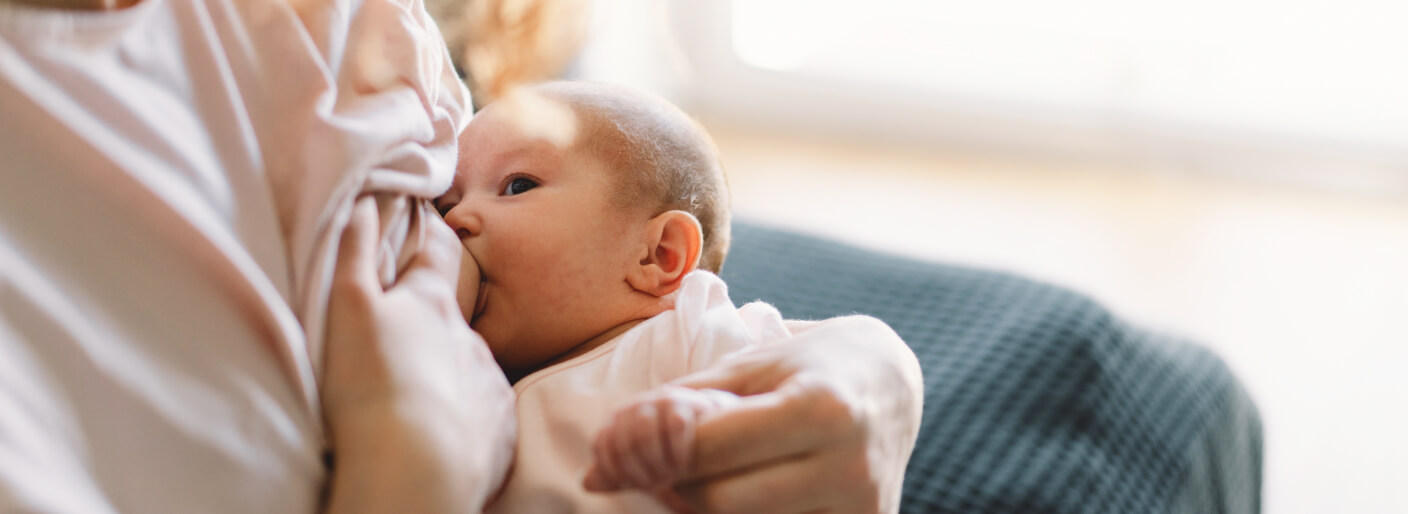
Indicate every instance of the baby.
{"type": "Point", "coordinates": [589, 261]}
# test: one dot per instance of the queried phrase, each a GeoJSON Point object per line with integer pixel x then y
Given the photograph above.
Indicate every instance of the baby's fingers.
{"type": "Point", "coordinates": [648, 444]}
{"type": "Point", "coordinates": [658, 426]}
{"type": "Point", "coordinates": [631, 451]}
{"type": "Point", "coordinates": [677, 426]}
{"type": "Point", "coordinates": [604, 475]}
{"type": "Point", "coordinates": [632, 428]}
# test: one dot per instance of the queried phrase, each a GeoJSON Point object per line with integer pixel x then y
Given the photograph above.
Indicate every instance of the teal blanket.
{"type": "Point", "coordinates": [1037, 399]}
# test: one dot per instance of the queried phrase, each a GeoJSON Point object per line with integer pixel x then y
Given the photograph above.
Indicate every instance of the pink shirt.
{"type": "Point", "coordinates": [173, 181]}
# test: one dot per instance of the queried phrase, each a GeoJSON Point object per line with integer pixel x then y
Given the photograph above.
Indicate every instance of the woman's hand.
{"type": "Point", "coordinates": [826, 423]}
{"type": "Point", "coordinates": [421, 418]}
{"type": "Point", "coordinates": [649, 442]}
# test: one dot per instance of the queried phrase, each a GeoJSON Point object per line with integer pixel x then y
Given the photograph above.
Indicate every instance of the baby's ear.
{"type": "Point", "coordinates": [673, 241]}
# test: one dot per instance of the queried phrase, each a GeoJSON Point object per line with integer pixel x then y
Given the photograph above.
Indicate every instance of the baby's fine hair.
{"type": "Point", "coordinates": [666, 160]}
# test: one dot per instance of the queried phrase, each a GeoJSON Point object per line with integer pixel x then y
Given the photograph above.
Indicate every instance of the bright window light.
{"type": "Point", "coordinates": [1332, 71]}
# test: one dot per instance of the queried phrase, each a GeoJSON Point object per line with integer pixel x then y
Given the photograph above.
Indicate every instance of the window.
{"type": "Point", "coordinates": [1329, 71]}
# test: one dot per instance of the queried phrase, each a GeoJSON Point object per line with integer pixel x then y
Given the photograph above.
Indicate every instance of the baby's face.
{"type": "Point", "coordinates": [552, 249]}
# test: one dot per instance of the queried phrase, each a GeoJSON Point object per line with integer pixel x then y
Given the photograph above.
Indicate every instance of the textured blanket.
{"type": "Point", "coordinates": [1037, 399]}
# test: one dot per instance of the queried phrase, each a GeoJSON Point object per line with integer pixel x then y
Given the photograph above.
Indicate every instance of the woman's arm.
{"type": "Point", "coordinates": [419, 415]}
{"type": "Point", "coordinates": [826, 423]}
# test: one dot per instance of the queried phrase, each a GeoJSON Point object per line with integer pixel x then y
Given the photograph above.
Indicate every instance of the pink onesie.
{"type": "Point", "coordinates": [562, 408]}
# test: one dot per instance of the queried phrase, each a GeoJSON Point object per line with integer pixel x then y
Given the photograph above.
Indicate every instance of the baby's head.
{"type": "Point", "coordinates": [576, 233]}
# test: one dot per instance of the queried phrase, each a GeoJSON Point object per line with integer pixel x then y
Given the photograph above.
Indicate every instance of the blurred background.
{"type": "Point", "coordinates": [1235, 171]}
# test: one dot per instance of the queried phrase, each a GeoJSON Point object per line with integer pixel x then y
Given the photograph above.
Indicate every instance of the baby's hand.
{"type": "Point", "coordinates": [647, 444]}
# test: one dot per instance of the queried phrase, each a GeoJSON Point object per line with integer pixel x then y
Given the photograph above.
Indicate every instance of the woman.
{"type": "Point", "coordinates": [176, 176]}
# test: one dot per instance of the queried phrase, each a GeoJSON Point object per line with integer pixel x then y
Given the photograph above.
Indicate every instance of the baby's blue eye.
{"type": "Point", "coordinates": [519, 186]}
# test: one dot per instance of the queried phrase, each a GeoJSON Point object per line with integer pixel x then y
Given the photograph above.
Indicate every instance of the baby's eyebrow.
{"type": "Point", "coordinates": [522, 159]}
{"type": "Point", "coordinates": [515, 155]}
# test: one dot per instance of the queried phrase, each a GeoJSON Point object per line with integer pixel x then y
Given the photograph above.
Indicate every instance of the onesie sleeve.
{"type": "Point", "coordinates": [715, 329]}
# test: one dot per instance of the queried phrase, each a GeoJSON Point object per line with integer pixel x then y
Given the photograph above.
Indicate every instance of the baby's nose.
{"type": "Point", "coordinates": [464, 220]}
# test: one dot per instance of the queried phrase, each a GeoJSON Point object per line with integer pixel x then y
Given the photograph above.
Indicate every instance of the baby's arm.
{"type": "Point", "coordinates": [647, 444]}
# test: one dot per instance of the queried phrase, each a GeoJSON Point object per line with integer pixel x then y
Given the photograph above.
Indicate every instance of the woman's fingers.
{"type": "Point", "coordinates": [656, 434]}
{"type": "Point", "coordinates": [672, 500]}
{"type": "Point", "coordinates": [824, 422]}
{"type": "Point", "coordinates": [798, 485]}
{"type": "Point", "coordinates": [402, 371]}
{"type": "Point", "coordinates": [764, 428]}
{"type": "Point", "coordinates": [746, 374]}
{"type": "Point", "coordinates": [436, 266]}
{"type": "Point", "coordinates": [739, 434]}
{"type": "Point", "coordinates": [356, 252]}
{"type": "Point", "coordinates": [348, 372]}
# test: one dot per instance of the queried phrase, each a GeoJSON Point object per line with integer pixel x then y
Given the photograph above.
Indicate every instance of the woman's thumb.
{"type": "Point", "coordinates": [356, 253]}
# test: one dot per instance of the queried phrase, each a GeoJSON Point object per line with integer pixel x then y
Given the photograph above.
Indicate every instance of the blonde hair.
{"type": "Point", "coordinates": [502, 44]}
